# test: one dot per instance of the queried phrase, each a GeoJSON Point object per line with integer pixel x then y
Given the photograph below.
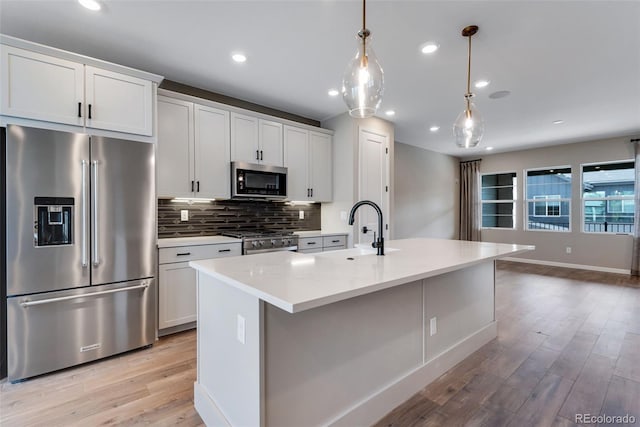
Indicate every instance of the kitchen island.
{"type": "Point", "coordinates": [338, 338]}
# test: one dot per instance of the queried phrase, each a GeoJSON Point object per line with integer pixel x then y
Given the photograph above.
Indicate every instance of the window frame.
{"type": "Point", "coordinates": [526, 200]}
{"type": "Point", "coordinates": [514, 201]}
{"type": "Point", "coordinates": [603, 199]}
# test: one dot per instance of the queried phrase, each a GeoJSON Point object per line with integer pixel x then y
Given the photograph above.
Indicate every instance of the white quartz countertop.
{"type": "Point", "coordinates": [296, 282]}
{"type": "Point", "coordinates": [318, 233]}
{"type": "Point", "coordinates": [195, 241]}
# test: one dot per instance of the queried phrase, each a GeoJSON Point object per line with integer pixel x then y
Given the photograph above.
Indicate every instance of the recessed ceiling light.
{"type": "Point", "coordinates": [390, 113]}
{"type": "Point", "coordinates": [90, 4]}
{"type": "Point", "coordinates": [333, 92]}
{"type": "Point", "coordinates": [429, 47]}
{"type": "Point", "coordinates": [558, 122]}
{"type": "Point", "coordinates": [239, 57]}
{"type": "Point", "coordinates": [481, 83]}
{"type": "Point", "coordinates": [434, 128]}
{"type": "Point", "coordinates": [489, 148]}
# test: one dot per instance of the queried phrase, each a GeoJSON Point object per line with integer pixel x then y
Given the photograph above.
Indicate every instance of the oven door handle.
{"type": "Point", "coordinates": [261, 251]}
{"type": "Point", "coordinates": [28, 303]}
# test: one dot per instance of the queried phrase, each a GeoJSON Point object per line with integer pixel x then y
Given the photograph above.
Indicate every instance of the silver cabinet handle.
{"type": "Point", "coordinates": [85, 261]}
{"type": "Point", "coordinates": [96, 253]}
{"type": "Point", "coordinates": [94, 294]}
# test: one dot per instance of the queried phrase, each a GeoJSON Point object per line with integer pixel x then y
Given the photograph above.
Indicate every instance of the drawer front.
{"type": "Point", "coordinates": [192, 253]}
{"type": "Point", "coordinates": [67, 328]}
{"type": "Point", "coordinates": [333, 241]}
{"type": "Point", "coordinates": [309, 243]}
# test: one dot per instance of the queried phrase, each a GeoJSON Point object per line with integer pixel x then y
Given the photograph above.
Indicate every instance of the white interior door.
{"type": "Point", "coordinates": [373, 181]}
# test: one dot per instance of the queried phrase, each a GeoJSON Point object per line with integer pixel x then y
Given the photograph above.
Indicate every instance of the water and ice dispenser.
{"type": "Point", "coordinates": [53, 225]}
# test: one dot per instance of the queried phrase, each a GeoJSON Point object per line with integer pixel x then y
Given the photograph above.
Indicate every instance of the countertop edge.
{"type": "Point", "coordinates": [330, 299]}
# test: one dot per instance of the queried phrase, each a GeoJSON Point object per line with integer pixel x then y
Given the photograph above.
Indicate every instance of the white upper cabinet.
{"type": "Point", "coordinates": [255, 140]}
{"type": "Point", "coordinates": [320, 166]}
{"type": "Point", "coordinates": [175, 150]}
{"type": "Point", "coordinates": [244, 138]}
{"type": "Point", "coordinates": [212, 157]}
{"type": "Point", "coordinates": [193, 150]}
{"type": "Point", "coordinates": [41, 87]}
{"type": "Point", "coordinates": [270, 143]}
{"type": "Point", "coordinates": [296, 154]}
{"type": "Point", "coordinates": [48, 88]}
{"type": "Point", "coordinates": [118, 102]}
{"type": "Point", "coordinates": [308, 158]}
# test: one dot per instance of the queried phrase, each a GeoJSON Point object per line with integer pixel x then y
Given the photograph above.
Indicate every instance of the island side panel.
{"type": "Point", "coordinates": [463, 302]}
{"type": "Point", "coordinates": [325, 361]}
{"type": "Point", "coordinates": [229, 372]}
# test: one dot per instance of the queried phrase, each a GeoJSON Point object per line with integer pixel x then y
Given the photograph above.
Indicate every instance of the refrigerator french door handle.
{"type": "Point", "coordinates": [85, 260]}
{"type": "Point", "coordinates": [25, 304]}
{"type": "Point", "coordinates": [96, 253]}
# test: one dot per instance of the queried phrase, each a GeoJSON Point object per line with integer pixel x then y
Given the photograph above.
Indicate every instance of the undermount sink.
{"type": "Point", "coordinates": [359, 250]}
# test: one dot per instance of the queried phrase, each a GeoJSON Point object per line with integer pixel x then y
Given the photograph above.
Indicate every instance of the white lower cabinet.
{"type": "Point", "coordinates": [177, 298]}
{"type": "Point", "coordinates": [319, 243]}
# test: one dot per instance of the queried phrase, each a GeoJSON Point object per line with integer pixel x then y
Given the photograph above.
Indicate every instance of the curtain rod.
{"type": "Point", "coordinates": [474, 160]}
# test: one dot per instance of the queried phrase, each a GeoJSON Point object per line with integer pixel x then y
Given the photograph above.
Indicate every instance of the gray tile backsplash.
{"type": "Point", "coordinates": [216, 217]}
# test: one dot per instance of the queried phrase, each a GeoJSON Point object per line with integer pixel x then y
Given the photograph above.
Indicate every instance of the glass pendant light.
{"type": "Point", "coordinates": [469, 126]}
{"type": "Point", "coordinates": [363, 79]}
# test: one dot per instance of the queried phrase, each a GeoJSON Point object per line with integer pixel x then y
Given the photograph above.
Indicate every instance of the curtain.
{"type": "Point", "coordinates": [470, 200]}
{"type": "Point", "coordinates": [635, 258]}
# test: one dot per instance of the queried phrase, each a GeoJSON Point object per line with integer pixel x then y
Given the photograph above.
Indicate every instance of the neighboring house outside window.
{"type": "Point", "coordinates": [499, 196]}
{"type": "Point", "coordinates": [608, 197]}
{"type": "Point", "coordinates": [548, 194]}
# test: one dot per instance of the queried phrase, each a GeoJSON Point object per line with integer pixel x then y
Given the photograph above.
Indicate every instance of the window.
{"type": "Point", "coordinates": [498, 200]}
{"type": "Point", "coordinates": [549, 199]}
{"type": "Point", "coordinates": [608, 197]}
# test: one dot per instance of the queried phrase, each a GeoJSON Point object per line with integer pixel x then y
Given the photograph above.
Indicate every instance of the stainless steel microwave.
{"type": "Point", "coordinates": [253, 181]}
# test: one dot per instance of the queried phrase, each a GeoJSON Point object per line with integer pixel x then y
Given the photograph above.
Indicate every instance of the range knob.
{"type": "Point", "coordinates": [254, 244]}
{"type": "Point", "coordinates": [261, 243]}
{"type": "Point", "coordinates": [274, 242]}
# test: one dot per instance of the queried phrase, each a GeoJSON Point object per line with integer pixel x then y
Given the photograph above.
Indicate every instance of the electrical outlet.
{"type": "Point", "coordinates": [568, 249]}
{"type": "Point", "coordinates": [433, 326]}
{"type": "Point", "coordinates": [184, 215]}
{"type": "Point", "coordinates": [301, 214]}
{"type": "Point", "coordinates": [241, 330]}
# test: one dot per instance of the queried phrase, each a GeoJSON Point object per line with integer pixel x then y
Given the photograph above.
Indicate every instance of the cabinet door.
{"type": "Point", "coordinates": [118, 102]}
{"type": "Point", "coordinates": [320, 165]}
{"type": "Point", "coordinates": [40, 87]}
{"type": "Point", "coordinates": [174, 157]}
{"type": "Point", "coordinates": [296, 154]}
{"type": "Point", "coordinates": [212, 152]}
{"type": "Point", "coordinates": [178, 295]}
{"type": "Point", "coordinates": [270, 141]}
{"type": "Point", "coordinates": [244, 139]}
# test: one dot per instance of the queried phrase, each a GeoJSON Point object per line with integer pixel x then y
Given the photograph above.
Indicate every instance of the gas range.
{"type": "Point", "coordinates": [255, 242]}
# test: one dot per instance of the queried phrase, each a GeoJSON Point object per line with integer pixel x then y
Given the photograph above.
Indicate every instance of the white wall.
{"type": "Point", "coordinates": [604, 251]}
{"type": "Point", "coordinates": [427, 193]}
{"type": "Point", "coordinates": [345, 169]}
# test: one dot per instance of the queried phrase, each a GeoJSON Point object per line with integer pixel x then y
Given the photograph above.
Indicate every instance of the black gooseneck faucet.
{"type": "Point", "coordinates": [379, 243]}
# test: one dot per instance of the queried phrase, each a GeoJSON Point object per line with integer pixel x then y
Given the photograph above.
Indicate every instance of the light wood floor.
{"type": "Point", "coordinates": [569, 342]}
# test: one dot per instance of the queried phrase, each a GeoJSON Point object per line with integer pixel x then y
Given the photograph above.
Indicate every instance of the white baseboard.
{"type": "Point", "coordinates": [207, 408]}
{"type": "Point", "coordinates": [568, 265]}
{"type": "Point", "coordinates": [373, 408]}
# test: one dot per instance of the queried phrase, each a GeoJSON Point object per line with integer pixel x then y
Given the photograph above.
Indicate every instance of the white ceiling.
{"type": "Point", "coordinates": [578, 61]}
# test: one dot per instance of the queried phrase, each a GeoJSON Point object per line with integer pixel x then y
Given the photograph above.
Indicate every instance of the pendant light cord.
{"type": "Point", "coordinates": [364, 15]}
{"type": "Point", "coordinates": [468, 94]}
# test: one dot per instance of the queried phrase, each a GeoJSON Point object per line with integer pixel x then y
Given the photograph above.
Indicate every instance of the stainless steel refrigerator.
{"type": "Point", "coordinates": [79, 263]}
